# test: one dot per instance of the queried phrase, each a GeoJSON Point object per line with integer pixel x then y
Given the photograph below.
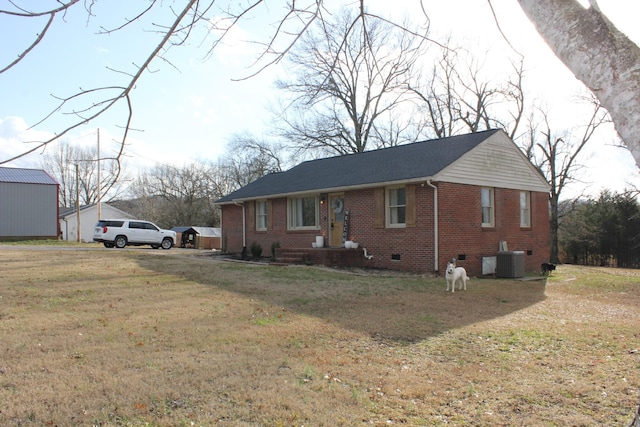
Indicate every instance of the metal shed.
{"type": "Point", "coordinates": [28, 204]}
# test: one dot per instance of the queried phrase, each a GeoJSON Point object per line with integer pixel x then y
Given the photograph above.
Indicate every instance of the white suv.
{"type": "Point", "coordinates": [123, 232]}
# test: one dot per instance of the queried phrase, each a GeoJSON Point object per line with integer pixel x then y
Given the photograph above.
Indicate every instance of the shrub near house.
{"type": "Point", "coordinates": [413, 207]}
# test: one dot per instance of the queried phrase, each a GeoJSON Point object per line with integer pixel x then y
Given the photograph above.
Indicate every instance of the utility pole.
{"type": "Point", "coordinates": [78, 202]}
{"type": "Point", "coordinates": [99, 190]}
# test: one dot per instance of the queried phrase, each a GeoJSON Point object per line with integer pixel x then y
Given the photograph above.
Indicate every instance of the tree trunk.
{"type": "Point", "coordinates": [553, 227]}
{"type": "Point", "coordinates": [599, 55]}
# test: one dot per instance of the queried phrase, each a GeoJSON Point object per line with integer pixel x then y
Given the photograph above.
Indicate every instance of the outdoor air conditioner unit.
{"type": "Point", "coordinates": [510, 264]}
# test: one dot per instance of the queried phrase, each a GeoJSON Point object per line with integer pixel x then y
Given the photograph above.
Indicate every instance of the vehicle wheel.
{"type": "Point", "coordinates": [167, 243]}
{"type": "Point", "coordinates": [108, 245]}
{"type": "Point", "coordinates": [120, 242]}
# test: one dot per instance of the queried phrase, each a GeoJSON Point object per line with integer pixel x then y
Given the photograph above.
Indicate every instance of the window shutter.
{"type": "Point", "coordinates": [378, 208]}
{"type": "Point", "coordinates": [251, 216]}
{"type": "Point", "coordinates": [411, 206]}
{"type": "Point", "coordinates": [269, 215]}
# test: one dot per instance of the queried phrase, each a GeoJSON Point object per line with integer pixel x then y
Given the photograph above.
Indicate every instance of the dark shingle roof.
{"type": "Point", "coordinates": [400, 163]}
{"type": "Point", "coordinates": [26, 176]}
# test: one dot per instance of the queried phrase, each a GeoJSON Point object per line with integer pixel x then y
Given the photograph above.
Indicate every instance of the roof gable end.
{"type": "Point", "coordinates": [496, 162]}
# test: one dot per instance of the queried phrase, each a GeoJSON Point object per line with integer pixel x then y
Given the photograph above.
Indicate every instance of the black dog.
{"type": "Point", "coordinates": [547, 268]}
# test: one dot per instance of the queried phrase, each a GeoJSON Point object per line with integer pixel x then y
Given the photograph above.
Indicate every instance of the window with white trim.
{"type": "Point", "coordinates": [261, 215]}
{"type": "Point", "coordinates": [488, 207]}
{"type": "Point", "coordinates": [304, 213]}
{"type": "Point", "coordinates": [525, 209]}
{"type": "Point", "coordinates": [396, 207]}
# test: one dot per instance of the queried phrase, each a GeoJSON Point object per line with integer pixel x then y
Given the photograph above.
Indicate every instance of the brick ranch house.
{"type": "Point", "coordinates": [411, 207]}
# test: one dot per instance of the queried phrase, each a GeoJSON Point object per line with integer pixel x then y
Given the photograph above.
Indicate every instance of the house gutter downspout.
{"type": "Point", "coordinates": [244, 226]}
{"type": "Point", "coordinates": [435, 225]}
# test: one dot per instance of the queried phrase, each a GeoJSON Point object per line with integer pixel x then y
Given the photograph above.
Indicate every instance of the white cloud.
{"type": "Point", "coordinates": [16, 138]}
{"type": "Point", "coordinates": [235, 45]}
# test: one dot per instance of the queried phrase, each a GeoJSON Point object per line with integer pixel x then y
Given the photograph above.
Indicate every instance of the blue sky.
{"type": "Point", "coordinates": [186, 109]}
{"type": "Point", "coordinates": [190, 108]}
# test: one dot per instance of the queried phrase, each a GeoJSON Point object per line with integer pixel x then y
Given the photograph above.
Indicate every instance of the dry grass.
{"type": "Point", "coordinates": [155, 338]}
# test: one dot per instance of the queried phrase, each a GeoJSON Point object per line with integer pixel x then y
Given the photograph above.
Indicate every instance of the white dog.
{"type": "Point", "coordinates": [456, 275]}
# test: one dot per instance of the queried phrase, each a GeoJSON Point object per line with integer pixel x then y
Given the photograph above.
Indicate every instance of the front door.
{"type": "Point", "coordinates": [336, 220]}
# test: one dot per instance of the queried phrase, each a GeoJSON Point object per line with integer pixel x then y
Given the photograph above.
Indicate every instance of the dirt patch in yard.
{"type": "Point", "coordinates": [159, 338]}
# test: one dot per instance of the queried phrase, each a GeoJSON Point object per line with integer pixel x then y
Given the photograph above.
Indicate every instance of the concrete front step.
{"type": "Point", "coordinates": [332, 257]}
{"type": "Point", "coordinates": [291, 260]}
{"type": "Point", "coordinates": [292, 256]}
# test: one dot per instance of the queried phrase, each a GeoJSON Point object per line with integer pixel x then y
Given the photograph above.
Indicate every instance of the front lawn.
{"type": "Point", "coordinates": [169, 338]}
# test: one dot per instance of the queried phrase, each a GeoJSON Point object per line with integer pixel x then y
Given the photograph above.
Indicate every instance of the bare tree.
{"type": "Point", "coordinates": [603, 58]}
{"type": "Point", "coordinates": [556, 154]}
{"type": "Point", "coordinates": [349, 77]}
{"type": "Point", "coordinates": [61, 163]}
{"type": "Point", "coordinates": [248, 158]}
{"type": "Point", "coordinates": [174, 196]}
{"type": "Point", "coordinates": [457, 97]}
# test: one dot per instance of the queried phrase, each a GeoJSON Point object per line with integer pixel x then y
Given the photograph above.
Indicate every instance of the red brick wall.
{"type": "Point", "coordinates": [413, 245]}
{"type": "Point", "coordinates": [232, 221]}
{"type": "Point", "coordinates": [231, 228]}
{"type": "Point", "coordinates": [412, 248]}
{"type": "Point", "coordinates": [461, 232]}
